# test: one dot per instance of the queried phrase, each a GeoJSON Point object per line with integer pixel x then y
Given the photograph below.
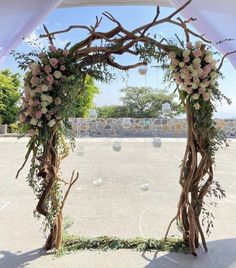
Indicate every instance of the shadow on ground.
{"type": "Point", "coordinates": [221, 254]}
{"type": "Point", "coordinates": [18, 259]}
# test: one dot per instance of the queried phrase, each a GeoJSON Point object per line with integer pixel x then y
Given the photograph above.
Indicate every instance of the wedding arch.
{"type": "Point", "coordinates": [51, 83]}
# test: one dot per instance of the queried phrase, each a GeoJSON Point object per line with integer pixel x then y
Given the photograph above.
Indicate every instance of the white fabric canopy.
{"type": "Point", "coordinates": [73, 3]}
{"type": "Point", "coordinates": [216, 19]}
{"type": "Point", "coordinates": [18, 18]}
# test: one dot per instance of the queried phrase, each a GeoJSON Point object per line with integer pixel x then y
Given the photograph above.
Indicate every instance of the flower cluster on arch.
{"type": "Point", "coordinates": [194, 71]}
{"type": "Point", "coordinates": [43, 91]}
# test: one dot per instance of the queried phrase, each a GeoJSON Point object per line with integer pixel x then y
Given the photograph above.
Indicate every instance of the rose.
{"type": "Point", "coordinates": [197, 53]}
{"type": "Point", "coordinates": [53, 62]}
{"type": "Point", "coordinates": [202, 90]}
{"type": "Point", "coordinates": [62, 68]}
{"type": "Point", "coordinates": [195, 96]}
{"type": "Point", "coordinates": [213, 75]}
{"type": "Point", "coordinates": [181, 64]}
{"type": "Point", "coordinates": [52, 48]}
{"type": "Point", "coordinates": [31, 102]}
{"type": "Point", "coordinates": [57, 101]}
{"type": "Point", "coordinates": [42, 55]}
{"type": "Point", "coordinates": [49, 99]}
{"type": "Point", "coordinates": [40, 124]}
{"type": "Point", "coordinates": [208, 58]}
{"type": "Point", "coordinates": [33, 121]}
{"type": "Point", "coordinates": [197, 61]}
{"type": "Point", "coordinates": [65, 52]}
{"type": "Point", "coordinates": [44, 88]}
{"type": "Point", "coordinates": [47, 69]}
{"type": "Point", "coordinates": [206, 97]}
{"type": "Point", "coordinates": [44, 110]}
{"type": "Point", "coordinates": [34, 80]}
{"type": "Point", "coordinates": [50, 78]}
{"type": "Point", "coordinates": [51, 123]}
{"type": "Point", "coordinates": [57, 74]}
{"type": "Point", "coordinates": [38, 114]}
{"type": "Point", "coordinates": [33, 65]}
{"type": "Point", "coordinates": [172, 55]}
{"type": "Point", "coordinates": [198, 44]}
{"type": "Point", "coordinates": [197, 106]}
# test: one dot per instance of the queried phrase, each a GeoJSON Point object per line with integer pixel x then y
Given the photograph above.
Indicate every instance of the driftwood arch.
{"type": "Point", "coordinates": [87, 57]}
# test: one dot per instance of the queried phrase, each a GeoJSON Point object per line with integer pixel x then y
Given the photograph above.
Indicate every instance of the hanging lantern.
{"type": "Point", "coordinates": [147, 123]}
{"type": "Point", "coordinates": [142, 69]}
{"type": "Point", "coordinates": [97, 182]}
{"type": "Point", "coordinates": [156, 142]}
{"type": "Point", "coordinates": [126, 123]}
{"type": "Point", "coordinates": [93, 114]}
{"type": "Point", "coordinates": [144, 186]}
{"type": "Point", "coordinates": [166, 108]}
{"type": "Point", "coordinates": [116, 146]}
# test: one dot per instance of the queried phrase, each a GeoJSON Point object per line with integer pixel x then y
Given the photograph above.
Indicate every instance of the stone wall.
{"type": "Point", "coordinates": [150, 127]}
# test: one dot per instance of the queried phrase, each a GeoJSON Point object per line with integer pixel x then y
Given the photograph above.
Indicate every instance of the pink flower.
{"type": "Point", "coordinates": [38, 114]}
{"type": "Point", "coordinates": [34, 80]}
{"type": "Point", "coordinates": [207, 68]}
{"type": "Point", "coordinates": [206, 97]}
{"type": "Point", "coordinates": [31, 102]}
{"type": "Point", "coordinates": [52, 48]}
{"type": "Point", "coordinates": [65, 52]}
{"type": "Point", "coordinates": [179, 81]}
{"type": "Point", "coordinates": [50, 78]}
{"type": "Point", "coordinates": [202, 90]}
{"type": "Point", "coordinates": [57, 101]}
{"type": "Point", "coordinates": [197, 53]}
{"type": "Point", "coordinates": [53, 62]}
{"type": "Point", "coordinates": [63, 68]}
{"type": "Point", "coordinates": [186, 59]}
{"type": "Point", "coordinates": [189, 45]}
{"type": "Point", "coordinates": [189, 90]}
{"type": "Point", "coordinates": [47, 69]}
{"type": "Point", "coordinates": [172, 55]}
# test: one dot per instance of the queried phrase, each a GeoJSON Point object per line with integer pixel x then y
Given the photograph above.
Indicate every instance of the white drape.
{"type": "Point", "coordinates": [18, 18]}
{"type": "Point", "coordinates": [216, 19]}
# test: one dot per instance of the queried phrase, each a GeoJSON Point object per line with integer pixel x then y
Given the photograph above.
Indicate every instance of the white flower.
{"type": "Point", "coordinates": [57, 74]}
{"type": "Point", "coordinates": [49, 99]}
{"type": "Point", "coordinates": [40, 124]}
{"type": "Point", "coordinates": [181, 64]}
{"type": "Point", "coordinates": [209, 92]}
{"type": "Point", "coordinates": [44, 104]}
{"type": "Point", "coordinates": [195, 96]}
{"type": "Point", "coordinates": [44, 88]}
{"type": "Point", "coordinates": [186, 53]}
{"type": "Point", "coordinates": [175, 75]}
{"type": "Point", "coordinates": [197, 106]}
{"type": "Point", "coordinates": [208, 58]}
{"type": "Point", "coordinates": [51, 123]}
{"type": "Point", "coordinates": [171, 68]}
{"type": "Point", "coordinates": [44, 110]}
{"type": "Point", "coordinates": [43, 97]}
{"type": "Point", "coordinates": [32, 93]}
{"type": "Point", "coordinates": [34, 121]}
{"type": "Point", "coordinates": [197, 61]}
{"type": "Point", "coordinates": [213, 75]}
{"type": "Point", "coordinates": [198, 44]}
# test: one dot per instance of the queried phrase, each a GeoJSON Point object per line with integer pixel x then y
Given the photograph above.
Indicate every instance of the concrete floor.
{"type": "Point", "coordinates": [117, 207]}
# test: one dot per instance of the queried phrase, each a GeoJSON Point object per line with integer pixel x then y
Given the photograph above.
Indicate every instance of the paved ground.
{"type": "Point", "coordinates": [116, 207]}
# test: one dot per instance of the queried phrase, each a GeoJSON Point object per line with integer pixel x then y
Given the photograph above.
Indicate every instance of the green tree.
{"type": "Point", "coordinates": [9, 96]}
{"type": "Point", "coordinates": [147, 102]}
{"type": "Point", "coordinates": [112, 111]}
{"type": "Point", "coordinates": [85, 98]}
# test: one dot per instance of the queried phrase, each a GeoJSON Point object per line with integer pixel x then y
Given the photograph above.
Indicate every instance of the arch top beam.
{"type": "Point", "coordinates": [74, 3]}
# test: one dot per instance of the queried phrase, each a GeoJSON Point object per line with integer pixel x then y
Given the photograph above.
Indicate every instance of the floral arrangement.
{"type": "Point", "coordinates": [194, 70]}
{"type": "Point", "coordinates": [45, 96]}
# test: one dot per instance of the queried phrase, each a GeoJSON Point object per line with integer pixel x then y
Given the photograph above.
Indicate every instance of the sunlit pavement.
{"type": "Point", "coordinates": [133, 192]}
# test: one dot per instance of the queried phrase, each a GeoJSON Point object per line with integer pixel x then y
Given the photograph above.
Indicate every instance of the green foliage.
{"type": "Point", "coordinates": [9, 96]}
{"type": "Point", "coordinates": [104, 243]}
{"type": "Point", "coordinates": [88, 90]}
{"type": "Point", "coordinates": [141, 102]}
{"type": "Point", "coordinates": [113, 111]}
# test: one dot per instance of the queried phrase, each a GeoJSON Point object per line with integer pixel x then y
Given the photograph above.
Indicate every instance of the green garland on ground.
{"type": "Point", "coordinates": [105, 243]}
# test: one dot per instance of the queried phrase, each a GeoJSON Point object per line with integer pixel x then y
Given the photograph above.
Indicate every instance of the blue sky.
{"type": "Point", "coordinates": [130, 17]}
